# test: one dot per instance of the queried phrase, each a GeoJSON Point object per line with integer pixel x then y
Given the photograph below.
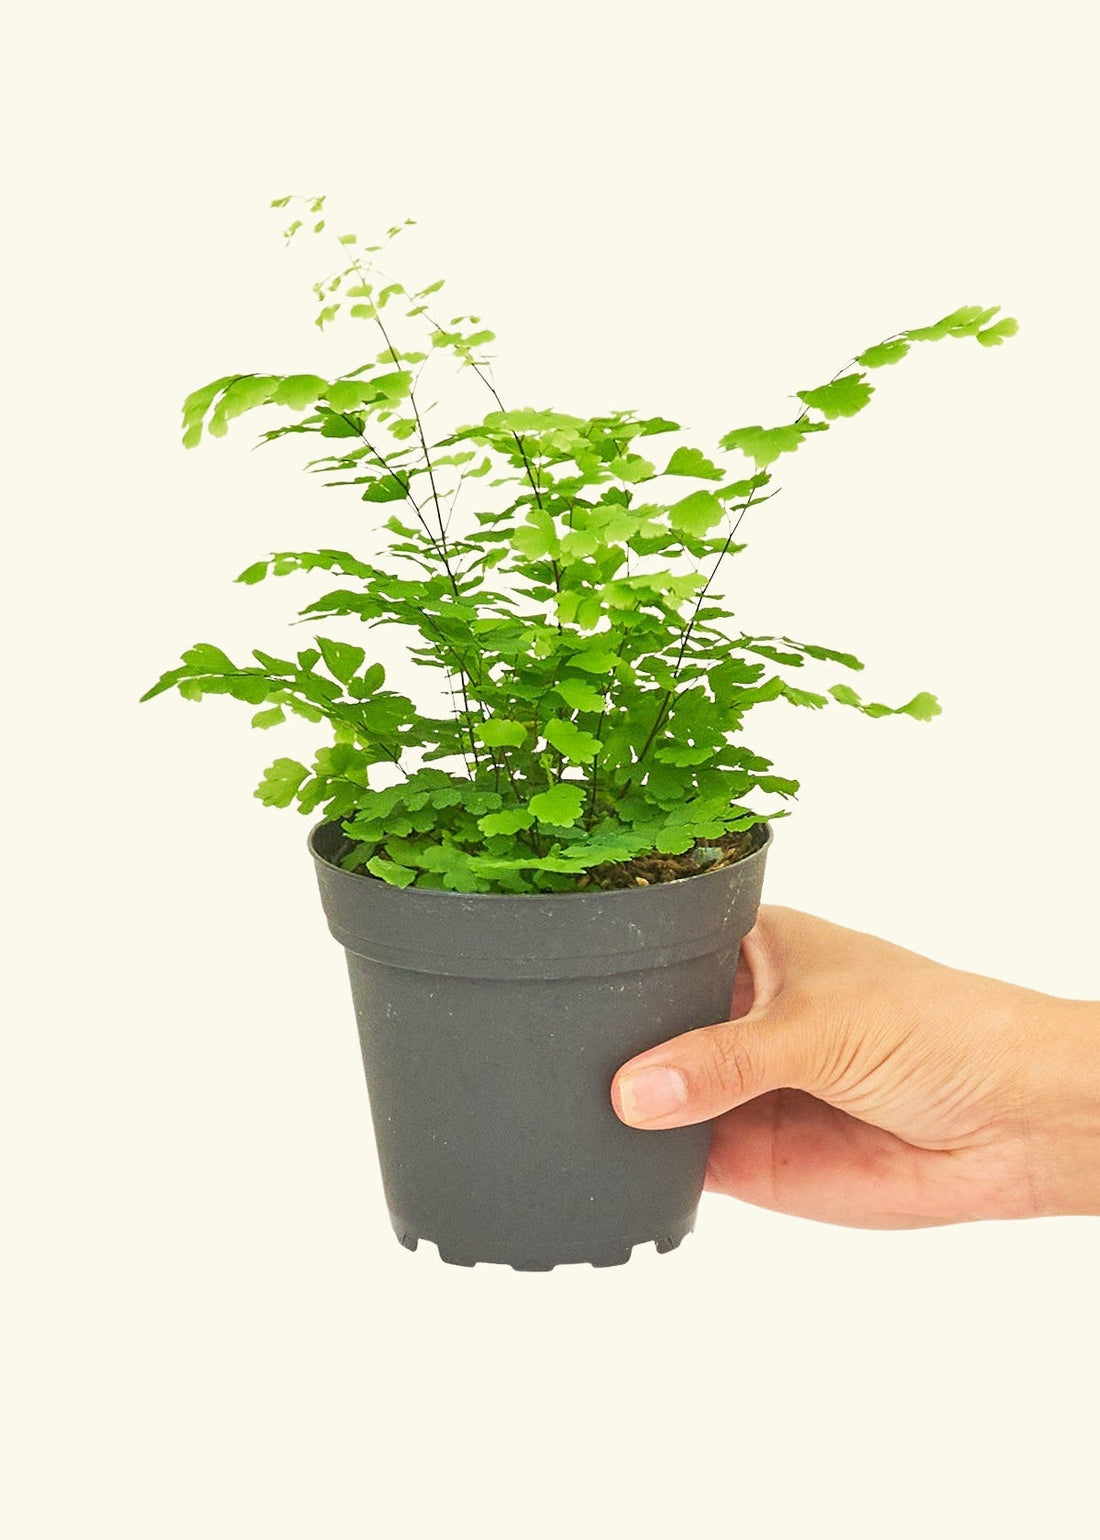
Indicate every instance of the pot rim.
{"type": "Point", "coordinates": [613, 894]}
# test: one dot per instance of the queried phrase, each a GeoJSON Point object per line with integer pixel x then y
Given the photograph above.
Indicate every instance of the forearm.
{"type": "Point", "coordinates": [1064, 1119]}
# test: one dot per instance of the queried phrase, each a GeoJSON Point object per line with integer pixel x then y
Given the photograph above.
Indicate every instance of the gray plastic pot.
{"type": "Point", "coordinates": [491, 1027]}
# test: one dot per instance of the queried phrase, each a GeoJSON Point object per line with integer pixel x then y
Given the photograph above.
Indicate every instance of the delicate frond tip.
{"type": "Point", "coordinates": [922, 708]}
{"type": "Point", "coordinates": [967, 321]}
{"type": "Point", "coordinates": [993, 336]}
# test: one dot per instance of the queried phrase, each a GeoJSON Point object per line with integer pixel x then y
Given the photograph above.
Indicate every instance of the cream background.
{"type": "Point", "coordinates": [208, 1328]}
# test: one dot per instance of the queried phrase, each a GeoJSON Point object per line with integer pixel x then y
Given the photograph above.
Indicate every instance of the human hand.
{"type": "Point", "coordinates": [862, 1084]}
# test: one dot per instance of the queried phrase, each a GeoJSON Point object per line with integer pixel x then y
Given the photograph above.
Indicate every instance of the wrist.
{"type": "Point", "coordinates": [1065, 1116]}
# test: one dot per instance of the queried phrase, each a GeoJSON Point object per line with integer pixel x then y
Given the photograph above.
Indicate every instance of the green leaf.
{"type": "Point", "coordinates": [993, 336]}
{"type": "Point", "coordinates": [175, 677]}
{"type": "Point", "coordinates": [281, 781]}
{"type": "Point", "coordinates": [526, 420]}
{"type": "Point", "coordinates": [347, 240]}
{"type": "Point", "coordinates": [632, 468]}
{"type": "Point", "coordinates": [575, 745]}
{"type": "Point", "coordinates": [580, 695]}
{"type": "Point", "coordinates": [386, 489]}
{"type": "Point", "coordinates": [394, 386]}
{"type": "Point", "coordinates": [270, 718]}
{"type": "Point", "coordinates": [595, 662]}
{"type": "Point", "coordinates": [578, 606]}
{"type": "Point", "coordinates": [394, 524]}
{"type": "Point", "coordinates": [499, 733]}
{"type": "Point", "coordinates": [696, 513]}
{"type": "Point", "coordinates": [774, 654]}
{"type": "Point", "coordinates": [273, 665]}
{"type": "Point", "coordinates": [923, 707]}
{"type": "Point", "coordinates": [967, 321]}
{"type": "Point", "coordinates": [254, 574]}
{"type": "Point", "coordinates": [253, 688]}
{"type": "Point", "coordinates": [346, 395]}
{"type": "Point", "coordinates": [683, 754]}
{"type": "Point", "coordinates": [537, 538]}
{"type": "Point", "coordinates": [588, 613]}
{"type": "Point", "coordinates": [335, 426]}
{"type": "Point", "coordinates": [883, 353]}
{"type": "Point", "coordinates": [342, 659]}
{"type": "Point", "coordinates": [509, 820]}
{"type": "Point", "coordinates": [840, 398]}
{"type": "Point", "coordinates": [823, 654]}
{"type": "Point", "coordinates": [675, 840]}
{"type": "Point", "coordinates": [731, 675]}
{"type": "Point", "coordinates": [389, 871]}
{"type": "Point", "coordinates": [692, 462]}
{"type": "Point", "coordinates": [203, 657]}
{"type": "Point", "coordinates": [561, 805]}
{"type": "Point", "coordinates": [299, 391]}
{"type": "Point", "coordinates": [763, 445]}
{"type": "Point", "coordinates": [196, 406]}
{"type": "Point", "coordinates": [778, 785]}
{"type": "Point", "coordinates": [447, 859]}
{"type": "Point", "coordinates": [744, 488]}
{"type": "Point", "coordinates": [803, 697]}
{"type": "Point", "coordinates": [579, 543]}
{"type": "Point", "coordinates": [245, 394]}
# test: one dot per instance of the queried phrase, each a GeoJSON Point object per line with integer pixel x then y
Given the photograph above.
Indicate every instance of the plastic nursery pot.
{"type": "Point", "coordinates": [491, 1027]}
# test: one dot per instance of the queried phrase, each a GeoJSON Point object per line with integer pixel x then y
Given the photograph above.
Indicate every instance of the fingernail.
{"type": "Point", "coordinates": [654, 1092]}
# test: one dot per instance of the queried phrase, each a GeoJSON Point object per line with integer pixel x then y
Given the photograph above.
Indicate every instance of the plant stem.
{"type": "Point", "coordinates": [459, 660]}
{"type": "Point", "coordinates": [662, 709]}
{"type": "Point", "coordinates": [357, 267]}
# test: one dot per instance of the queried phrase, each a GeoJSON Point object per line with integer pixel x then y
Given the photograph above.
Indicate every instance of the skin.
{"type": "Point", "coordinates": [862, 1084]}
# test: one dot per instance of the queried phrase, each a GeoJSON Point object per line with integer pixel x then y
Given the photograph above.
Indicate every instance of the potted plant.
{"type": "Point", "coordinates": [550, 866]}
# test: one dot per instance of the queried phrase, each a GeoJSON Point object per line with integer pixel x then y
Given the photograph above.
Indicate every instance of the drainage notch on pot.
{"type": "Point", "coordinates": [491, 1027]}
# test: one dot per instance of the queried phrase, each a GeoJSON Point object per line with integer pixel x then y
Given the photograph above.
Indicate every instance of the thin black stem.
{"type": "Point", "coordinates": [460, 661]}
{"type": "Point", "coordinates": [444, 552]}
{"type": "Point", "coordinates": [666, 699]}
{"type": "Point", "coordinates": [356, 266]}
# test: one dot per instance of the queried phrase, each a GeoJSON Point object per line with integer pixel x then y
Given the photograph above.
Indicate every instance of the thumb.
{"type": "Point", "coordinates": [705, 1072]}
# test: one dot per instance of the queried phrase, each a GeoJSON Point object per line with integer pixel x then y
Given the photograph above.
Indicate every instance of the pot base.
{"type": "Point", "coordinates": [614, 1254]}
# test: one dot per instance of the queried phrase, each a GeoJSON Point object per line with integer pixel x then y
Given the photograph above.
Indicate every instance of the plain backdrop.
{"type": "Point", "coordinates": [208, 1327]}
